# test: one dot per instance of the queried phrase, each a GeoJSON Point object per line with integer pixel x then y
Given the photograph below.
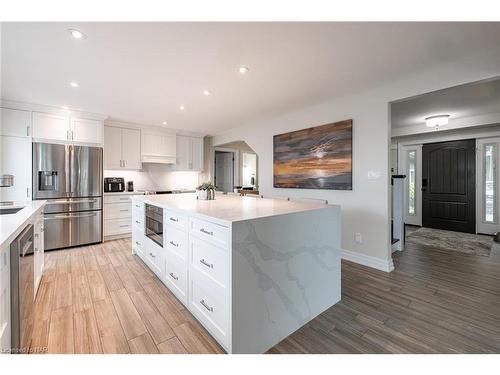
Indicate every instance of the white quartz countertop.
{"type": "Point", "coordinates": [229, 208]}
{"type": "Point", "coordinates": [12, 224]}
{"type": "Point", "coordinates": [125, 193]}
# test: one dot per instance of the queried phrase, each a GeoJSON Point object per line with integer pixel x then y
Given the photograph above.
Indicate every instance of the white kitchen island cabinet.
{"type": "Point", "coordinates": [252, 271]}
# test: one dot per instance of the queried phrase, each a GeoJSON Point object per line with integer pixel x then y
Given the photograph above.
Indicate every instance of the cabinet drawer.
{"type": "Point", "coordinates": [138, 219]}
{"type": "Point", "coordinates": [117, 198]}
{"type": "Point", "coordinates": [209, 260]}
{"type": "Point", "coordinates": [117, 226]}
{"type": "Point", "coordinates": [210, 231]}
{"type": "Point", "coordinates": [176, 276]}
{"type": "Point", "coordinates": [137, 240]}
{"type": "Point", "coordinates": [176, 219]}
{"type": "Point", "coordinates": [155, 257]}
{"type": "Point", "coordinates": [138, 206]}
{"type": "Point", "coordinates": [176, 240]}
{"type": "Point", "coordinates": [117, 210]}
{"type": "Point", "coordinates": [208, 304]}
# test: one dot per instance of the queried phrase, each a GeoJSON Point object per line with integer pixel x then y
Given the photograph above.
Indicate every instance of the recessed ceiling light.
{"type": "Point", "coordinates": [77, 34]}
{"type": "Point", "coordinates": [436, 121]}
{"type": "Point", "coordinates": [65, 107]}
{"type": "Point", "coordinates": [74, 84]}
{"type": "Point", "coordinates": [206, 92]}
{"type": "Point", "coordinates": [182, 108]}
{"type": "Point", "coordinates": [243, 70]}
{"type": "Point", "coordinates": [164, 123]}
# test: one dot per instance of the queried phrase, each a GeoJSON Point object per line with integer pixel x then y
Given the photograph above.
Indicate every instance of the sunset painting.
{"type": "Point", "coordinates": [315, 158]}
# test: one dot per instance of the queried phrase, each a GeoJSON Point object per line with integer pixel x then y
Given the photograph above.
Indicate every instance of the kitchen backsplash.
{"type": "Point", "coordinates": [157, 177]}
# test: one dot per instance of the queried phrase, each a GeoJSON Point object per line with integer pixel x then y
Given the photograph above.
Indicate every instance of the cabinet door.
{"type": "Point", "coordinates": [112, 147]}
{"type": "Point", "coordinates": [15, 123]}
{"type": "Point", "coordinates": [131, 149]}
{"type": "Point", "coordinates": [87, 131]}
{"type": "Point", "coordinates": [168, 145]}
{"type": "Point", "coordinates": [50, 127]}
{"type": "Point", "coordinates": [4, 299]}
{"type": "Point", "coordinates": [196, 154]}
{"type": "Point", "coordinates": [16, 160]}
{"type": "Point", "coordinates": [183, 153]}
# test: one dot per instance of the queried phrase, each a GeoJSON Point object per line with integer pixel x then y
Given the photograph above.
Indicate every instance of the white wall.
{"type": "Point", "coordinates": [366, 208]}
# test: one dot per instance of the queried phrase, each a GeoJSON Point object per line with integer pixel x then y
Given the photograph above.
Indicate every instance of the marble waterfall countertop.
{"type": "Point", "coordinates": [227, 209]}
{"type": "Point", "coordinates": [12, 224]}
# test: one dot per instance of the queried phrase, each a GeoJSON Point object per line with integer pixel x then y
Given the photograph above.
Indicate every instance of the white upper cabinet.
{"type": "Point", "coordinates": [112, 147]}
{"type": "Point", "coordinates": [86, 130]}
{"type": "Point", "coordinates": [15, 159]}
{"type": "Point", "coordinates": [122, 148]}
{"type": "Point", "coordinates": [158, 147]}
{"type": "Point", "coordinates": [15, 123]}
{"type": "Point", "coordinates": [189, 153]}
{"type": "Point", "coordinates": [131, 148]}
{"type": "Point", "coordinates": [51, 127]}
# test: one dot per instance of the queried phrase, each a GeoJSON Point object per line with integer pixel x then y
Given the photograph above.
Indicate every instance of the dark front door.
{"type": "Point", "coordinates": [449, 185]}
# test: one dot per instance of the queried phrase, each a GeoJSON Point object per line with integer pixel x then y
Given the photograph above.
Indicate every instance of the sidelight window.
{"type": "Point", "coordinates": [489, 183]}
{"type": "Point", "coordinates": [412, 200]}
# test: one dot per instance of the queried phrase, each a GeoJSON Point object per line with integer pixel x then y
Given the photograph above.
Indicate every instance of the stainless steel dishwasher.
{"type": "Point", "coordinates": [22, 290]}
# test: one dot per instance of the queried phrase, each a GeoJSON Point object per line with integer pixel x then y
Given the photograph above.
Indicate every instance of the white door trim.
{"type": "Point", "coordinates": [413, 219]}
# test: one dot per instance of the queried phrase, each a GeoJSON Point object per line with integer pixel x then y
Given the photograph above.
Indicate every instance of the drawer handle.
{"type": "Point", "coordinates": [211, 309]}
{"type": "Point", "coordinates": [173, 276]}
{"type": "Point", "coordinates": [203, 230]}
{"type": "Point", "coordinates": [125, 199]}
{"type": "Point", "coordinates": [138, 206]}
{"type": "Point", "coordinates": [123, 210]}
{"type": "Point", "coordinates": [124, 226]}
{"type": "Point", "coordinates": [137, 221]}
{"type": "Point", "coordinates": [152, 255]}
{"type": "Point", "coordinates": [174, 219]}
{"type": "Point", "coordinates": [209, 265]}
{"type": "Point", "coordinates": [137, 243]}
{"type": "Point", "coordinates": [174, 244]}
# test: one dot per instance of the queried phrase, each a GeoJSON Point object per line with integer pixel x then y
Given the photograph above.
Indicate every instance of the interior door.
{"type": "Point", "coordinates": [449, 185]}
{"type": "Point", "coordinates": [488, 178]}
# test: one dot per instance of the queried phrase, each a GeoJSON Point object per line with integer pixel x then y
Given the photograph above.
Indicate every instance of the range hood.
{"type": "Point", "coordinates": [158, 159]}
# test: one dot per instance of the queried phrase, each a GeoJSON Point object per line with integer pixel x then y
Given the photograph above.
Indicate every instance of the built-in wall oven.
{"type": "Point", "coordinates": [154, 223]}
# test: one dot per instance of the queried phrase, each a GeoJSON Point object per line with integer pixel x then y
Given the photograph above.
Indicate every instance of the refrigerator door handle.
{"type": "Point", "coordinates": [72, 167]}
{"type": "Point", "coordinates": [67, 168]}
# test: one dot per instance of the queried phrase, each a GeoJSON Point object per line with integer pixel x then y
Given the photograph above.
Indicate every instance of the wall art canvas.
{"type": "Point", "coordinates": [314, 158]}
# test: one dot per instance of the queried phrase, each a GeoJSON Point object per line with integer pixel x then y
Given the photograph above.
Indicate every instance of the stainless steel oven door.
{"type": "Point", "coordinates": [72, 229]}
{"type": "Point", "coordinates": [154, 223]}
{"type": "Point", "coordinates": [72, 205]}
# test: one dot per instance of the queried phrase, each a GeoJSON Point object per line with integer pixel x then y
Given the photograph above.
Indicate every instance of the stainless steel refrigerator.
{"type": "Point", "coordinates": [69, 177]}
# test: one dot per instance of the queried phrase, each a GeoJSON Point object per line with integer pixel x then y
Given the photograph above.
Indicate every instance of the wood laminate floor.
{"type": "Point", "coordinates": [102, 299]}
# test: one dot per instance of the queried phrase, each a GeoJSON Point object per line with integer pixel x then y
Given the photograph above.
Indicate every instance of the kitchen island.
{"type": "Point", "coordinates": [251, 270]}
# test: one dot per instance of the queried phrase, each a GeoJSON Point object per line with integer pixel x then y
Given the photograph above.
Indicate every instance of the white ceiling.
{"type": "Point", "coordinates": [460, 102]}
{"type": "Point", "coordinates": [142, 72]}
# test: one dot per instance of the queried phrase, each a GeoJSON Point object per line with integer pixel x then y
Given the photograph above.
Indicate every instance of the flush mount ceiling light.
{"type": "Point", "coordinates": [74, 84]}
{"type": "Point", "coordinates": [182, 108]}
{"type": "Point", "coordinates": [206, 92]}
{"type": "Point", "coordinates": [77, 34]}
{"type": "Point", "coordinates": [243, 70]}
{"type": "Point", "coordinates": [436, 121]}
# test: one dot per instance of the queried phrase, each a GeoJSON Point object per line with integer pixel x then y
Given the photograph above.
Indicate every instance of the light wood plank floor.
{"type": "Point", "coordinates": [102, 299]}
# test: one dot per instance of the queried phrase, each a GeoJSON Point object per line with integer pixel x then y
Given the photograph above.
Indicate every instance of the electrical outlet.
{"type": "Point", "coordinates": [358, 238]}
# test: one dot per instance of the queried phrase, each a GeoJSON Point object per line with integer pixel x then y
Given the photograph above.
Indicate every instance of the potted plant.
{"type": "Point", "coordinates": [206, 191]}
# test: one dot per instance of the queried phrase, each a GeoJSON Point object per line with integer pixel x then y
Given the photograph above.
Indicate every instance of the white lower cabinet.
{"type": "Point", "coordinates": [5, 299]}
{"type": "Point", "coordinates": [117, 216]}
{"type": "Point", "coordinates": [194, 263]}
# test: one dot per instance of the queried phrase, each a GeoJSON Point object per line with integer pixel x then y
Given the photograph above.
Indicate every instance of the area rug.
{"type": "Point", "coordinates": [474, 244]}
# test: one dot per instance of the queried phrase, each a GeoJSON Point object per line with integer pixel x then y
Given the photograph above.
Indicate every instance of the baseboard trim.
{"type": "Point", "coordinates": [369, 261]}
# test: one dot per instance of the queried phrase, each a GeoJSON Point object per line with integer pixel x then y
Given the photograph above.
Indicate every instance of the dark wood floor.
{"type": "Point", "coordinates": [101, 299]}
{"type": "Point", "coordinates": [435, 301]}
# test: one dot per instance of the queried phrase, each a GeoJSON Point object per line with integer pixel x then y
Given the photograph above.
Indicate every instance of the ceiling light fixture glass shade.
{"type": "Point", "coordinates": [437, 121]}
{"type": "Point", "coordinates": [77, 34]}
